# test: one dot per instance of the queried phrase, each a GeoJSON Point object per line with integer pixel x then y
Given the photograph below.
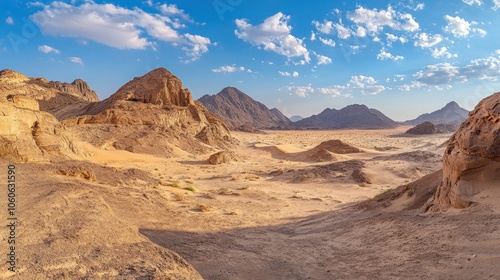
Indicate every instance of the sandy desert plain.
{"type": "Point", "coordinates": [269, 215]}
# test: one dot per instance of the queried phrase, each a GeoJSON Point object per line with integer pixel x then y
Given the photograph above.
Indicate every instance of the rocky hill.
{"type": "Point", "coordinates": [52, 96]}
{"type": "Point", "coordinates": [471, 162]}
{"type": "Point", "coordinates": [353, 116]}
{"type": "Point", "coordinates": [151, 113]}
{"type": "Point", "coordinates": [449, 114]}
{"type": "Point", "coordinates": [237, 108]}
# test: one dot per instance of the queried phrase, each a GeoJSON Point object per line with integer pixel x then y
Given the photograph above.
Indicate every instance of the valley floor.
{"type": "Point", "coordinates": [270, 215]}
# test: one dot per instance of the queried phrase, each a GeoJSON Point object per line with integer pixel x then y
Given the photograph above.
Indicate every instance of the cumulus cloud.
{"type": "Point", "coordinates": [457, 26]}
{"type": "Point", "coordinates": [424, 40]}
{"type": "Point", "coordinates": [361, 31]}
{"type": "Point", "coordinates": [76, 60]}
{"type": "Point", "coordinates": [472, 2]}
{"type": "Point", "coordinates": [326, 27]}
{"type": "Point", "coordinates": [328, 42]}
{"type": "Point", "coordinates": [48, 49]}
{"type": "Point", "coordinates": [118, 27]}
{"type": "Point", "coordinates": [496, 4]}
{"type": "Point", "coordinates": [365, 84]}
{"type": "Point", "coordinates": [442, 52]}
{"type": "Point", "coordinates": [383, 55]}
{"type": "Point", "coordinates": [443, 75]}
{"type": "Point", "coordinates": [231, 69]}
{"type": "Point", "coordinates": [375, 20]}
{"type": "Point", "coordinates": [9, 20]}
{"type": "Point", "coordinates": [334, 91]}
{"type": "Point", "coordinates": [323, 59]}
{"type": "Point", "coordinates": [294, 74]}
{"type": "Point", "coordinates": [301, 91]}
{"type": "Point", "coordinates": [274, 34]}
{"type": "Point", "coordinates": [393, 38]}
{"type": "Point", "coordinates": [342, 31]}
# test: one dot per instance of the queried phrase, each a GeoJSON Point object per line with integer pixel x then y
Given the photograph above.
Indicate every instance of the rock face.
{"type": "Point", "coordinates": [158, 111]}
{"type": "Point", "coordinates": [449, 114]}
{"type": "Point", "coordinates": [471, 162]}
{"type": "Point", "coordinates": [222, 157]}
{"type": "Point", "coordinates": [29, 135]}
{"type": "Point", "coordinates": [352, 116]}
{"type": "Point", "coordinates": [422, 129]}
{"type": "Point", "coordinates": [52, 96]}
{"type": "Point", "coordinates": [237, 109]}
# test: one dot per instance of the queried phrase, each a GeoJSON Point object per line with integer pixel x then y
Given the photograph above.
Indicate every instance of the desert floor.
{"type": "Point", "coordinates": [272, 214]}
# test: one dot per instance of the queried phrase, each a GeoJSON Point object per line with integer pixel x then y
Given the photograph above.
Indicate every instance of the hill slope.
{"type": "Point", "coordinates": [352, 116]}
{"type": "Point", "coordinates": [449, 114]}
{"type": "Point", "coordinates": [237, 108]}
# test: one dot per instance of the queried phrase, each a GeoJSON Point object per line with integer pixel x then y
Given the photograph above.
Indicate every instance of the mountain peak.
{"type": "Point", "coordinates": [237, 109]}
{"type": "Point", "coordinates": [451, 113]}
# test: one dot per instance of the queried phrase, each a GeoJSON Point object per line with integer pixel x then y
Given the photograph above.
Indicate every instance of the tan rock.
{"type": "Point", "coordinates": [222, 157]}
{"type": "Point", "coordinates": [471, 162]}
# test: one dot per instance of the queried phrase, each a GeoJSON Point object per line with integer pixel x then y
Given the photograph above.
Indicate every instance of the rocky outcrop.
{"type": "Point", "coordinates": [222, 157]}
{"type": "Point", "coordinates": [471, 162]}
{"type": "Point", "coordinates": [351, 117]}
{"type": "Point", "coordinates": [159, 106]}
{"type": "Point", "coordinates": [54, 97]}
{"type": "Point", "coordinates": [423, 129]}
{"type": "Point", "coordinates": [29, 135]}
{"type": "Point", "coordinates": [236, 108]}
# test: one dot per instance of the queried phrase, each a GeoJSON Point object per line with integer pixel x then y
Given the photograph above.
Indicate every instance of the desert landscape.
{"type": "Point", "coordinates": [150, 184]}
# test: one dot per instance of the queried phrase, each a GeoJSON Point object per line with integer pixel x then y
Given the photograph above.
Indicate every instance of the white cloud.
{"type": "Point", "coordinates": [326, 27]}
{"type": "Point", "coordinates": [301, 91]}
{"type": "Point", "coordinates": [442, 52]}
{"type": "Point", "coordinates": [231, 69]}
{"type": "Point", "coordinates": [426, 41]}
{"type": "Point", "coordinates": [361, 31]}
{"type": "Point", "coordinates": [334, 91]}
{"type": "Point", "coordinates": [313, 36]}
{"type": "Point", "coordinates": [496, 4]}
{"type": "Point", "coordinates": [375, 20]}
{"type": "Point", "coordinates": [286, 74]}
{"type": "Point", "coordinates": [48, 49]}
{"type": "Point", "coordinates": [444, 74]}
{"type": "Point", "coordinates": [342, 31]}
{"type": "Point", "coordinates": [9, 20]}
{"type": "Point", "coordinates": [365, 84]}
{"type": "Point", "coordinates": [383, 55]}
{"type": "Point", "coordinates": [328, 42]}
{"type": "Point", "coordinates": [472, 2]}
{"type": "Point", "coordinates": [76, 60]}
{"type": "Point", "coordinates": [392, 38]}
{"type": "Point", "coordinates": [457, 26]}
{"type": "Point", "coordinates": [273, 35]}
{"type": "Point", "coordinates": [323, 59]}
{"type": "Point", "coordinates": [295, 74]}
{"type": "Point", "coordinates": [117, 27]}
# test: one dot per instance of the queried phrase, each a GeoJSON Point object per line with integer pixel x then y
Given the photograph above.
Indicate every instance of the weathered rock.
{"type": "Point", "coordinates": [28, 135]}
{"type": "Point", "coordinates": [159, 104]}
{"type": "Point", "coordinates": [471, 162]}
{"type": "Point", "coordinates": [222, 157]}
{"type": "Point", "coordinates": [422, 129]}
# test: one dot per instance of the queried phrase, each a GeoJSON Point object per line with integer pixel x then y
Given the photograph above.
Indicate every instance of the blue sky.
{"type": "Point", "coordinates": [403, 58]}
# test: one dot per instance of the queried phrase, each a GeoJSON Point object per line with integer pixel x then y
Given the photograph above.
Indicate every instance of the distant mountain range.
{"type": "Point", "coordinates": [296, 118]}
{"type": "Point", "coordinates": [237, 109]}
{"type": "Point", "coordinates": [353, 116]}
{"type": "Point", "coordinates": [449, 114]}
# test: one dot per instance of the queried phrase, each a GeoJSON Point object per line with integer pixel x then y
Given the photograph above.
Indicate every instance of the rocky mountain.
{"type": "Point", "coordinates": [296, 118]}
{"type": "Point", "coordinates": [449, 114]}
{"type": "Point", "coordinates": [423, 128]}
{"type": "Point", "coordinates": [237, 108]}
{"type": "Point", "coordinates": [155, 113]}
{"type": "Point", "coordinates": [471, 162]}
{"type": "Point", "coordinates": [352, 116]}
{"type": "Point", "coordinates": [52, 96]}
